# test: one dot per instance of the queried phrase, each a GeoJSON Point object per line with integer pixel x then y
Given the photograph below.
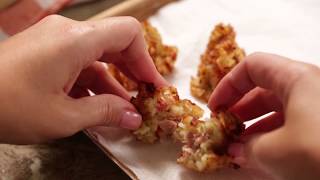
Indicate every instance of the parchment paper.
{"type": "Point", "coordinates": [286, 27]}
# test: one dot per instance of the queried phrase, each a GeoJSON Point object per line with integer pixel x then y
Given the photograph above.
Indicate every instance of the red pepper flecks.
{"type": "Point", "coordinates": [204, 143]}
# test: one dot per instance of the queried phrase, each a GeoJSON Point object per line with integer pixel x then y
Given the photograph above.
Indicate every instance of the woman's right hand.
{"type": "Point", "coordinates": [284, 144]}
{"type": "Point", "coordinates": [47, 70]}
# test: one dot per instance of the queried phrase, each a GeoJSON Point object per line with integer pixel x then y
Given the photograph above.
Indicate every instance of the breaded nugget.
{"type": "Point", "coordinates": [121, 78]}
{"type": "Point", "coordinates": [161, 110]}
{"type": "Point", "coordinates": [221, 55]}
{"type": "Point", "coordinates": [163, 56]}
{"type": "Point", "coordinates": [204, 143]}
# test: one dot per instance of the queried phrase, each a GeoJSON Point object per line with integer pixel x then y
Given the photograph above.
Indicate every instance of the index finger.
{"type": "Point", "coordinates": [267, 71]}
{"type": "Point", "coordinates": [123, 36]}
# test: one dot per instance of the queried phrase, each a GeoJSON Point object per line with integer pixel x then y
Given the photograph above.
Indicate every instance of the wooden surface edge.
{"type": "Point", "coordinates": [126, 169]}
{"type": "Point", "coordinates": [140, 9]}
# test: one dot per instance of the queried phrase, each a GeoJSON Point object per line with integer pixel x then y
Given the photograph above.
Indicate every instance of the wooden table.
{"type": "Point", "coordinates": [86, 10]}
{"type": "Point", "coordinates": [73, 158]}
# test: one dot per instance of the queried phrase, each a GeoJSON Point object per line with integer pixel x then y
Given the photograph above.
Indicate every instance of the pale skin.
{"type": "Point", "coordinates": [285, 144]}
{"type": "Point", "coordinates": [47, 70]}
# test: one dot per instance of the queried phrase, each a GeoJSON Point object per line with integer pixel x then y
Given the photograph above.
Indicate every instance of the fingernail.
{"type": "Point", "coordinates": [130, 120]}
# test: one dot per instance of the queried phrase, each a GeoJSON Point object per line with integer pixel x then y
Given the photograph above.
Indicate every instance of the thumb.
{"type": "Point", "coordinates": [107, 110]}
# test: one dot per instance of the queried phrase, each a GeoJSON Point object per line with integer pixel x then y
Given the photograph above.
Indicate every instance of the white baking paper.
{"type": "Point", "coordinates": [287, 27]}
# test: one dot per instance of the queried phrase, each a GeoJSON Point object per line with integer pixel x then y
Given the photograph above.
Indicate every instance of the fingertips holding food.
{"type": "Point", "coordinates": [123, 44]}
{"type": "Point", "coordinates": [256, 70]}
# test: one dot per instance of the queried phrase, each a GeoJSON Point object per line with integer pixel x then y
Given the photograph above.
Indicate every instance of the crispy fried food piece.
{"type": "Point", "coordinates": [204, 142]}
{"type": "Point", "coordinates": [121, 78]}
{"type": "Point", "coordinates": [161, 110]}
{"type": "Point", "coordinates": [221, 55]}
{"type": "Point", "coordinates": [163, 56]}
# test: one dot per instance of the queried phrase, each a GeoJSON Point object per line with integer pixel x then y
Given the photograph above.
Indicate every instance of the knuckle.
{"type": "Point", "coordinates": [126, 23]}
{"type": "Point", "coordinates": [60, 28]}
{"type": "Point", "coordinates": [106, 113]}
{"type": "Point", "coordinates": [132, 24]}
{"type": "Point", "coordinates": [132, 21]}
{"type": "Point", "coordinates": [256, 55]}
{"type": "Point", "coordinates": [252, 59]}
{"type": "Point", "coordinates": [304, 70]}
{"type": "Point", "coordinates": [99, 68]}
{"type": "Point", "coordinates": [120, 32]}
{"type": "Point", "coordinates": [53, 19]}
{"type": "Point", "coordinates": [62, 24]}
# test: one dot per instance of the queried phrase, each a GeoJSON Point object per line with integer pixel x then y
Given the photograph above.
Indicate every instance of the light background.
{"type": "Point", "coordinates": [286, 27]}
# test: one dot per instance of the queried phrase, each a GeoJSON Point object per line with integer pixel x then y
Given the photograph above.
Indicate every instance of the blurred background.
{"type": "Point", "coordinates": [87, 8]}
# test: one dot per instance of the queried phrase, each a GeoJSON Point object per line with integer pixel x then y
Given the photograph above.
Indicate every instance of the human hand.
{"type": "Point", "coordinates": [47, 70]}
{"type": "Point", "coordinates": [284, 144]}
